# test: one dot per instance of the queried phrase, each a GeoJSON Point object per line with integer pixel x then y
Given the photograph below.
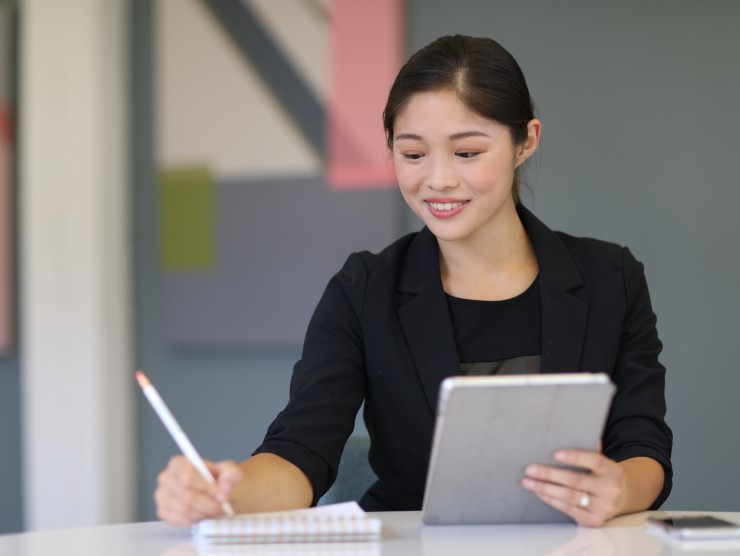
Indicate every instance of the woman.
{"type": "Point", "coordinates": [485, 287]}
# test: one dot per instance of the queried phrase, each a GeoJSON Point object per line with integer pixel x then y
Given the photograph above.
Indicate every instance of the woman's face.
{"type": "Point", "coordinates": [455, 168]}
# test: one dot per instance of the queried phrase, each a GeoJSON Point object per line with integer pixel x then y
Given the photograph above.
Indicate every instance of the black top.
{"type": "Point", "coordinates": [382, 334]}
{"type": "Point", "coordinates": [495, 337]}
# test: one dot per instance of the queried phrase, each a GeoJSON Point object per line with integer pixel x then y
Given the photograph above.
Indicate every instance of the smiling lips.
{"type": "Point", "coordinates": [444, 209]}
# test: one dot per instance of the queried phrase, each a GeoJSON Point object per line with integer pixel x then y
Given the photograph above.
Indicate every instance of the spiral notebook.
{"type": "Point", "coordinates": [332, 523]}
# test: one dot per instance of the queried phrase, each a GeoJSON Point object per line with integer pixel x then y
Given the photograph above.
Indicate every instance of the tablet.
{"type": "Point", "coordinates": [489, 428]}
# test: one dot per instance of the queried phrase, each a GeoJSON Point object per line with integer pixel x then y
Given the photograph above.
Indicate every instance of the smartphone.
{"type": "Point", "coordinates": [694, 527]}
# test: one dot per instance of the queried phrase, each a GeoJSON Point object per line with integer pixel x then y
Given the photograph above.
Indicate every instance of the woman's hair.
{"type": "Point", "coordinates": [484, 75]}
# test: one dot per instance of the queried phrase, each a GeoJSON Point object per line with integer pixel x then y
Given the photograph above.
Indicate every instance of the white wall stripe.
{"type": "Point", "coordinates": [76, 381]}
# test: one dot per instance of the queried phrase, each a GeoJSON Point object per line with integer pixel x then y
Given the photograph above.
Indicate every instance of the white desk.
{"type": "Point", "coordinates": [403, 535]}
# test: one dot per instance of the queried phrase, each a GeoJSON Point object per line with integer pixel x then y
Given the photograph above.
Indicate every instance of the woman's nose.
{"type": "Point", "coordinates": [442, 176]}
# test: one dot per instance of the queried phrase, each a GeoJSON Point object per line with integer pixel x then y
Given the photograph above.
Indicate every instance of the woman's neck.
{"type": "Point", "coordinates": [498, 264]}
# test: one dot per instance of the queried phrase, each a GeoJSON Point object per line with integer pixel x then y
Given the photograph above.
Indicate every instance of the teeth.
{"type": "Point", "coordinates": [444, 206]}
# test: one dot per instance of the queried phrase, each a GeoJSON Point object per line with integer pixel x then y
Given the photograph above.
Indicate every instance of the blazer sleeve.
{"type": "Point", "coordinates": [636, 425]}
{"type": "Point", "coordinates": [328, 383]}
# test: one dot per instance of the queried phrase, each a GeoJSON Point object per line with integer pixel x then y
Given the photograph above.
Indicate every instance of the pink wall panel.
{"type": "Point", "coordinates": [366, 46]}
{"type": "Point", "coordinates": [6, 230]}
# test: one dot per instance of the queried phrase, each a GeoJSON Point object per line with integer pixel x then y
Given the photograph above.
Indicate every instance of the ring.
{"type": "Point", "coordinates": [584, 500]}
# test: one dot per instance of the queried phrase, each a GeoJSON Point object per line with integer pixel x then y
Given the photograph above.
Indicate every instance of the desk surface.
{"type": "Point", "coordinates": [403, 535]}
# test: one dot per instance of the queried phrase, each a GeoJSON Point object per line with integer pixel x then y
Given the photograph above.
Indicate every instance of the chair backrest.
{"type": "Point", "coordinates": [355, 474]}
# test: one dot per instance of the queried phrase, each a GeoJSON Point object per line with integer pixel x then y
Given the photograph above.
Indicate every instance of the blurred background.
{"type": "Point", "coordinates": [180, 178]}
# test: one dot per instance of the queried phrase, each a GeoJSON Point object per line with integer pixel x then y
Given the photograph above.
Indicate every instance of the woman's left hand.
{"type": "Point", "coordinates": [590, 498]}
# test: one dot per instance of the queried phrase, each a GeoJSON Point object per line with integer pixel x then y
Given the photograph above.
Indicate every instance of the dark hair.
{"type": "Point", "coordinates": [486, 78]}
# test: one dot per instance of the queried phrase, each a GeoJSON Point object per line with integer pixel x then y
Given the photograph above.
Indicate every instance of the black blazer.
{"type": "Point", "coordinates": [382, 334]}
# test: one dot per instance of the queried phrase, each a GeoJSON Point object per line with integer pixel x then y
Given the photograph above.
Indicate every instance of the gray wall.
{"type": "Point", "coordinates": [11, 518]}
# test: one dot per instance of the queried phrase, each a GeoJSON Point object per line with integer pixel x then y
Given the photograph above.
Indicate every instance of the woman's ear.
{"type": "Point", "coordinates": [530, 144]}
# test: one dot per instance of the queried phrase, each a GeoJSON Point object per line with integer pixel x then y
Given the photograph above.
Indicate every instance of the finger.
{"type": "Point", "coordinates": [605, 476]}
{"type": "Point", "coordinates": [578, 498]}
{"type": "Point", "coordinates": [582, 516]}
{"type": "Point", "coordinates": [575, 480]}
{"type": "Point", "coordinates": [592, 461]}
{"type": "Point", "coordinates": [183, 496]}
{"type": "Point", "coordinates": [228, 474]}
{"type": "Point", "coordinates": [185, 507]}
{"type": "Point", "coordinates": [603, 487]}
{"type": "Point", "coordinates": [180, 473]}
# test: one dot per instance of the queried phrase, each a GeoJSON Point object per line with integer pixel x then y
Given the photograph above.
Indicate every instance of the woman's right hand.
{"type": "Point", "coordinates": [184, 497]}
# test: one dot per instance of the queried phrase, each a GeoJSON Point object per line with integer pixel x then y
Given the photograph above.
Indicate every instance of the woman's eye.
{"type": "Point", "coordinates": [466, 154]}
{"type": "Point", "coordinates": [412, 156]}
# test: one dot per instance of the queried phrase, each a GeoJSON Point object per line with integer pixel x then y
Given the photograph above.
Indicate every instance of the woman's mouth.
{"type": "Point", "coordinates": [446, 209]}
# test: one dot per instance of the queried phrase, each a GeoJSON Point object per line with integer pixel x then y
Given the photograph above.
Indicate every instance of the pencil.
{"type": "Point", "coordinates": [176, 432]}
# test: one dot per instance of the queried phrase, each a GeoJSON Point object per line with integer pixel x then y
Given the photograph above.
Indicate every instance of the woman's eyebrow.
{"type": "Point", "coordinates": [466, 134]}
{"type": "Point", "coordinates": [409, 136]}
{"type": "Point", "coordinates": [453, 137]}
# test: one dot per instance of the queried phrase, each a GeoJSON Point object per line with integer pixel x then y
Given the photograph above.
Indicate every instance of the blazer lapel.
{"type": "Point", "coordinates": [424, 316]}
{"type": "Point", "coordinates": [564, 316]}
{"type": "Point", "coordinates": [563, 329]}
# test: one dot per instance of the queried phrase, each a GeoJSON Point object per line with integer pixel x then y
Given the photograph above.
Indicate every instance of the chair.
{"type": "Point", "coordinates": [354, 475]}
